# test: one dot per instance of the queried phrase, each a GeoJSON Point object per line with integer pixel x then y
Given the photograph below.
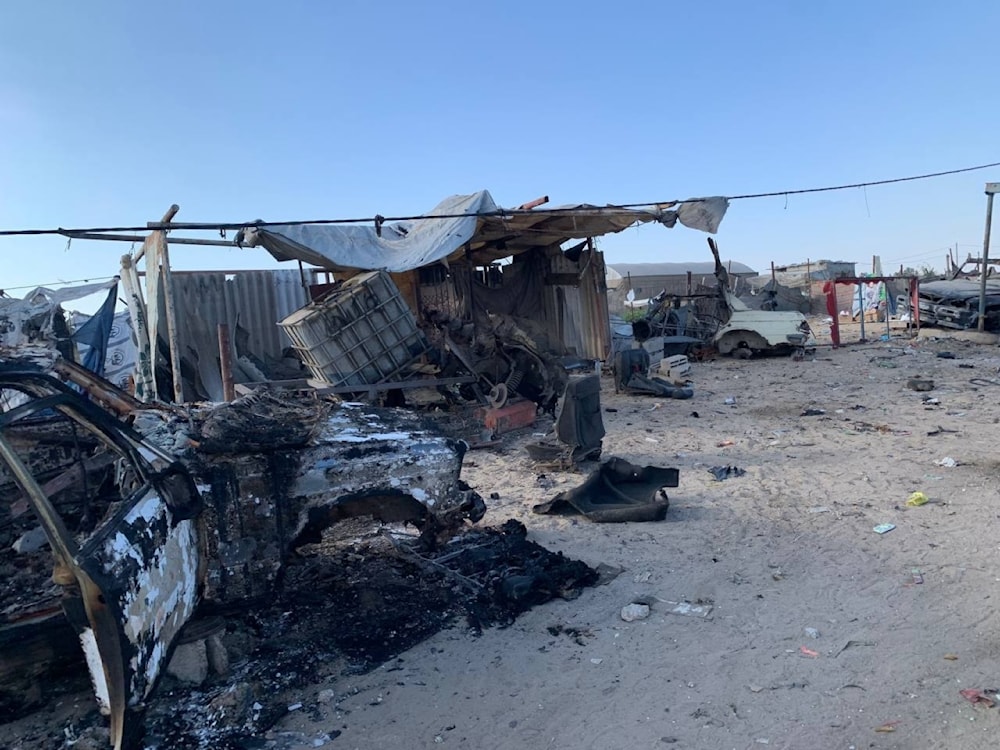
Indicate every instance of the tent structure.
{"type": "Point", "coordinates": [472, 227]}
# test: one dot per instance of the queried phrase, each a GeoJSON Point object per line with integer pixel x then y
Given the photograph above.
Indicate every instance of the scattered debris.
{"type": "Point", "coordinates": [917, 499]}
{"type": "Point", "coordinates": [730, 401]}
{"type": "Point", "coordinates": [607, 573]}
{"type": "Point", "coordinates": [945, 355]}
{"type": "Point", "coordinates": [725, 443]}
{"type": "Point", "coordinates": [853, 644]}
{"type": "Point", "coordinates": [941, 431]}
{"type": "Point", "coordinates": [920, 384]}
{"type": "Point", "coordinates": [632, 374]}
{"type": "Point", "coordinates": [812, 412]}
{"type": "Point", "coordinates": [818, 509]}
{"type": "Point", "coordinates": [951, 657]}
{"type": "Point", "coordinates": [987, 697]}
{"type": "Point", "coordinates": [883, 429]}
{"type": "Point", "coordinates": [884, 528]}
{"type": "Point", "coordinates": [889, 726]}
{"type": "Point", "coordinates": [725, 472]}
{"type": "Point", "coordinates": [698, 608]}
{"type": "Point", "coordinates": [808, 652]}
{"type": "Point", "coordinates": [811, 632]}
{"type": "Point", "coordinates": [618, 491]}
{"type": "Point", "coordinates": [579, 635]}
{"type": "Point", "coordinates": [947, 461]}
{"type": "Point", "coordinates": [917, 576]}
{"type": "Point", "coordinates": [545, 481]}
{"type": "Point", "coordinates": [632, 612]}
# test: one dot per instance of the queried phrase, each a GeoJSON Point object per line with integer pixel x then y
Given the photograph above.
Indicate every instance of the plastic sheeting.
{"type": "Point", "coordinates": [30, 320]}
{"type": "Point", "coordinates": [120, 357]}
{"type": "Point", "coordinates": [406, 245]}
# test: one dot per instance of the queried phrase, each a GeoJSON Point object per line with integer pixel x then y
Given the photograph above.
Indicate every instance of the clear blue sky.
{"type": "Point", "coordinates": [112, 111]}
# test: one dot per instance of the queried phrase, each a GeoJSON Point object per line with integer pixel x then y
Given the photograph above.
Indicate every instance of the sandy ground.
{"type": "Point", "coordinates": [787, 547]}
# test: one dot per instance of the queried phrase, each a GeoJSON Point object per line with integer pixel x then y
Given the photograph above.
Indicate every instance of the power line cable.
{"type": "Point", "coordinates": [55, 283]}
{"type": "Point", "coordinates": [499, 213]}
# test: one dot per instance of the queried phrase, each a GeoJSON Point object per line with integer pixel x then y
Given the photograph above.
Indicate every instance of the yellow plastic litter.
{"type": "Point", "coordinates": [917, 498]}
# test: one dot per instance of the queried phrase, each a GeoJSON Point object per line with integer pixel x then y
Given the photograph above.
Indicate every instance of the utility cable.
{"type": "Point", "coordinates": [499, 213]}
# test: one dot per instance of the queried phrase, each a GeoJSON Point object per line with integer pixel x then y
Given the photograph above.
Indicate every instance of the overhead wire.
{"type": "Point", "coordinates": [56, 283]}
{"type": "Point", "coordinates": [498, 213]}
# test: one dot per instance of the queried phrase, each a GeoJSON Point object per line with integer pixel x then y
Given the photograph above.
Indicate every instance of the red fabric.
{"type": "Point", "coordinates": [830, 290]}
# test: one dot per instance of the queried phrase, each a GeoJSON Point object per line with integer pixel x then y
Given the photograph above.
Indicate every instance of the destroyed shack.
{"type": "Point", "coordinates": [501, 297]}
{"type": "Point", "coordinates": [481, 301]}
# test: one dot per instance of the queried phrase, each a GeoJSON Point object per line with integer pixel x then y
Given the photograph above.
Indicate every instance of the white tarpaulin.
{"type": "Point", "coordinates": [30, 320]}
{"type": "Point", "coordinates": [405, 245]}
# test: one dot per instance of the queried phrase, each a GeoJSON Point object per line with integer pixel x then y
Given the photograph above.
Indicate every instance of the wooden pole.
{"type": "Point", "coordinates": [809, 285]}
{"type": "Point", "coordinates": [226, 363]}
{"type": "Point", "coordinates": [689, 286]}
{"type": "Point", "coordinates": [172, 339]}
{"type": "Point", "coordinates": [986, 254]}
{"type": "Point", "coordinates": [773, 278]}
{"type": "Point", "coordinates": [145, 379]}
{"type": "Point", "coordinates": [167, 218]}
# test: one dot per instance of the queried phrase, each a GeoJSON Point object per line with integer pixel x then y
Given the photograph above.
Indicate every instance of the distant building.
{"type": "Point", "coordinates": [819, 270]}
{"type": "Point", "coordinates": [649, 279]}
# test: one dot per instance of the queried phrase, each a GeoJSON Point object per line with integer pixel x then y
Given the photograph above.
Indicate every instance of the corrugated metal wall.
{"type": "Point", "coordinates": [250, 300]}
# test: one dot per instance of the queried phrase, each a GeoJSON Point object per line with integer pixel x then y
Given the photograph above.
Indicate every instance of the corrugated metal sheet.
{"type": "Point", "coordinates": [250, 302]}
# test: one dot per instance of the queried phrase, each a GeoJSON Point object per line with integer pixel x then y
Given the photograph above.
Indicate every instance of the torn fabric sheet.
{"type": "Point", "coordinates": [475, 227]}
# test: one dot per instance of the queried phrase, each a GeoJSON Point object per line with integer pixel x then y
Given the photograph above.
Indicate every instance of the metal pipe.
{"type": "Point", "coordinates": [137, 238]}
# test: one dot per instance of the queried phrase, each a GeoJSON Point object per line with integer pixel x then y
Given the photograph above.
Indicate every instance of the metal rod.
{"type": "Point", "coordinates": [986, 255]}
{"type": "Point", "coordinates": [138, 238]}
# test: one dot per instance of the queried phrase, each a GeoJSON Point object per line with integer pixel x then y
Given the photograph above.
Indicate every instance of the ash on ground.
{"type": "Point", "coordinates": [346, 607]}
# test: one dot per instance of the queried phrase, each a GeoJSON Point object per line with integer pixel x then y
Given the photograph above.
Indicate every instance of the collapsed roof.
{"type": "Point", "coordinates": [471, 226]}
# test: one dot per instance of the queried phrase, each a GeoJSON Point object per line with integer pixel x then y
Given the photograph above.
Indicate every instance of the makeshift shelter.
{"type": "Point", "coordinates": [469, 258]}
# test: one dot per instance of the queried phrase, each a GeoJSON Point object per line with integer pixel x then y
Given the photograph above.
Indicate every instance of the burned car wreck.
{"type": "Point", "coordinates": [146, 522]}
{"type": "Point", "coordinates": [954, 303]}
{"type": "Point", "coordinates": [718, 319]}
